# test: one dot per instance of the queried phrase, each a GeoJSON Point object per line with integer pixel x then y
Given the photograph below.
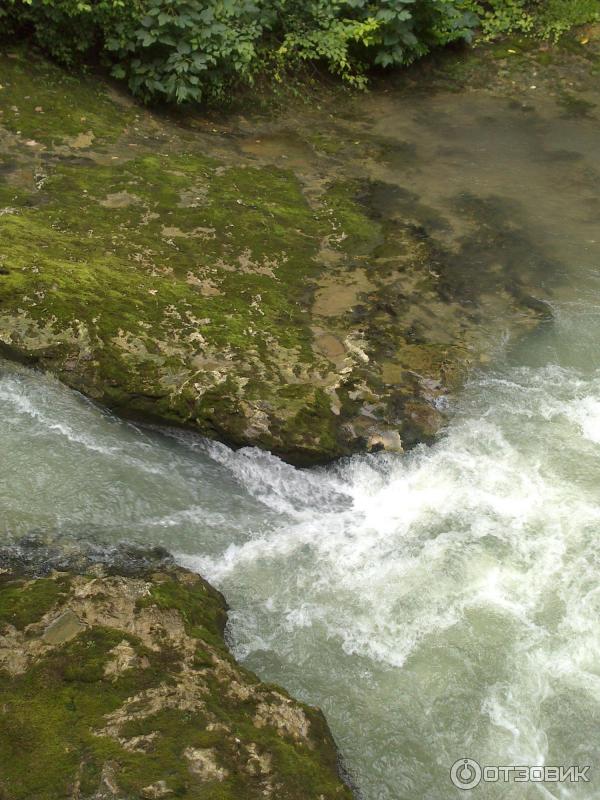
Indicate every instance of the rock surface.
{"type": "Point", "coordinates": [266, 281]}
{"type": "Point", "coordinates": [116, 686]}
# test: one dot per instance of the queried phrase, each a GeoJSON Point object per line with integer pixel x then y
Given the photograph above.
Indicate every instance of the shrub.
{"type": "Point", "coordinates": [182, 50]}
{"type": "Point", "coordinates": [546, 19]}
{"type": "Point", "coordinates": [350, 35]}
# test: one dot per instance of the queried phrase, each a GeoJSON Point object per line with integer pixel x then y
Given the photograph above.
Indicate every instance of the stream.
{"type": "Point", "coordinates": [440, 605]}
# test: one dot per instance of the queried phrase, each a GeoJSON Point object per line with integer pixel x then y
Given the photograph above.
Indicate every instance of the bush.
{"type": "Point", "coordinates": [546, 19]}
{"type": "Point", "coordinates": [182, 50]}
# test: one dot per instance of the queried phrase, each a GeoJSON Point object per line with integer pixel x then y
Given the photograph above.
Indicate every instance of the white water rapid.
{"type": "Point", "coordinates": [437, 605]}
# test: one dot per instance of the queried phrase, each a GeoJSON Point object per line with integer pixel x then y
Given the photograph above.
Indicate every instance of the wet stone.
{"type": "Point", "coordinates": [63, 629]}
{"type": "Point", "coordinates": [275, 287]}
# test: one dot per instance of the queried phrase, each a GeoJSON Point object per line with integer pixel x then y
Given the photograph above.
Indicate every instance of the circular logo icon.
{"type": "Point", "coordinates": [465, 773]}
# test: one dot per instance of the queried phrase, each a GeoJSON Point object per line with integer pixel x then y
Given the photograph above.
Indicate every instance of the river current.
{"type": "Point", "coordinates": [439, 605]}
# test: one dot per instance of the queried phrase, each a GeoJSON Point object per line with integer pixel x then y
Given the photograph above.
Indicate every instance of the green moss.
{"type": "Point", "coordinates": [143, 282]}
{"type": "Point", "coordinates": [44, 103]}
{"type": "Point", "coordinates": [47, 721]}
{"type": "Point", "coordinates": [201, 607]}
{"type": "Point", "coordinates": [22, 603]}
{"type": "Point", "coordinates": [153, 281]}
{"type": "Point", "coordinates": [326, 144]}
{"type": "Point", "coordinates": [54, 716]}
{"type": "Point", "coordinates": [47, 725]}
{"type": "Point", "coordinates": [316, 428]}
{"type": "Point", "coordinates": [358, 233]}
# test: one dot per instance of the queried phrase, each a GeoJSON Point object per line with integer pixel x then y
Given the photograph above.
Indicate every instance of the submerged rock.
{"type": "Point", "coordinates": [267, 282]}
{"type": "Point", "coordinates": [117, 686]}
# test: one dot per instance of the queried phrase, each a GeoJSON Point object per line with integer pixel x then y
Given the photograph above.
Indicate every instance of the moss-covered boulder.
{"type": "Point", "coordinates": [123, 687]}
{"type": "Point", "coordinates": [260, 281]}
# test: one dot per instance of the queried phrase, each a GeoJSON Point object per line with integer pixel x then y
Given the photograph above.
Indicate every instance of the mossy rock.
{"type": "Point", "coordinates": [181, 274]}
{"type": "Point", "coordinates": [123, 687]}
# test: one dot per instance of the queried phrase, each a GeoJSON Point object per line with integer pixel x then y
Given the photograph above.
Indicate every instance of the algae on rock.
{"type": "Point", "coordinates": [123, 687]}
{"type": "Point", "coordinates": [251, 281]}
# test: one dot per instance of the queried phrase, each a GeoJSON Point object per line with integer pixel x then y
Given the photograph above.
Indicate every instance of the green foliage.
{"type": "Point", "coordinates": [191, 50]}
{"type": "Point", "coordinates": [546, 19]}
{"type": "Point", "coordinates": [559, 16]}
{"type": "Point", "coordinates": [185, 49]}
{"type": "Point", "coordinates": [182, 50]}
{"type": "Point", "coordinates": [502, 17]}
{"type": "Point", "coordinates": [350, 35]}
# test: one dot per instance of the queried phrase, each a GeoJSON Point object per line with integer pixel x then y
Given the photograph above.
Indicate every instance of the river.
{"type": "Point", "coordinates": [439, 605]}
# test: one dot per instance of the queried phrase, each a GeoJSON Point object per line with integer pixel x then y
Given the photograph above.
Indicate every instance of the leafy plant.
{"type": "Point", "coordinates": [183, 50]}
{"type": "Point", "coordinates": [191, 50]}
{"type": "Point", "coordinates": [546, 19]}
{"type": "Point", "coordinates": [559, 16]}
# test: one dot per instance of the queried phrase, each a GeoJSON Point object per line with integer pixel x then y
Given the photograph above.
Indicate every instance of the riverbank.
{"type": "Point", "coordinates": [270, 281]}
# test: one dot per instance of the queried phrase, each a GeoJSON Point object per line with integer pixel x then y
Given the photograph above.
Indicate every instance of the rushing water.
{"type": "Point", "coordinates": [440, 605]}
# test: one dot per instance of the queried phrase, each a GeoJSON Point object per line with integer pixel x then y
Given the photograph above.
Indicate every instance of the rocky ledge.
{"type": "Point", "coordinates": [121, 686]}
{"type": "Point", "coordinates": [279, 280]}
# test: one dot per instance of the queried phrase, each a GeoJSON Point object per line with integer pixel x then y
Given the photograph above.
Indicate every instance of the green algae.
{"type": "Point", "coordinates": [41, 101]}
{"type": "Point", "coordinates": [22, 602]}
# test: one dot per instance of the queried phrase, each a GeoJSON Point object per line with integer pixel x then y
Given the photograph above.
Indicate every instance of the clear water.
{"type": "Point", "coordinates": [440, 605]}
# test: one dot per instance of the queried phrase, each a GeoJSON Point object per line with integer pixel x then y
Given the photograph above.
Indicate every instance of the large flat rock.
{"type": "Point", "coordinates": [297, 281]}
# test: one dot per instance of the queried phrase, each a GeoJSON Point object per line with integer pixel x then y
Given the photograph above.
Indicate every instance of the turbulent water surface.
{"type": "Point", "coordinates": [440, 605]}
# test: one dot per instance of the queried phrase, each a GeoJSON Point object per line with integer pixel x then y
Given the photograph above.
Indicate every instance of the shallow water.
{"type": "Point", "coordinates": [440, 605]}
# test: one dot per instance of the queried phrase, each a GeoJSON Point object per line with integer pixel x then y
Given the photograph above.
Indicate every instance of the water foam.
{"type": "Point", "coordinates": [440, 604]}
{"type": "Point", "coordinates": [491, 526]}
